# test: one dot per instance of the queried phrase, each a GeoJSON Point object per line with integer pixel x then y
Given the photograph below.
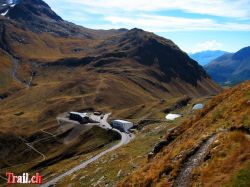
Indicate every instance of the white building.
{"type": "Point", "coordinates": [198, 106]}
{"type": "Point", "coordinates": [172, 116]}
{"type": "Point", "coordinates": [122, 125]}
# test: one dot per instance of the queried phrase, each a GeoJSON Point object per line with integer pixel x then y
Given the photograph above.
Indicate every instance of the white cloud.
{"type": "Point", "coordinates": [168, 23]}
{"type": "Point", "coordinates": [225, 8]}
{"type": "Point", "coordinates": [103, 14]}
{"type": "Point", "coordinates": [207, 45]}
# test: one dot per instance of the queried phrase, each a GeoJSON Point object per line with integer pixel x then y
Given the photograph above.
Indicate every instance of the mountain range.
{"type": "Point", "coordinates": [49, 66]}
{"type": "Point", "coordinates": [37, 37]}
{"type": "Point", "coordinates": [231, 68]}
{"type": "Point", "coordinates": [205, 57]}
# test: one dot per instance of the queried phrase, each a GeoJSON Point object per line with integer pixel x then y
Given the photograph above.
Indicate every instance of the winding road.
{"type": "Point", "coordinates": [103, 123]}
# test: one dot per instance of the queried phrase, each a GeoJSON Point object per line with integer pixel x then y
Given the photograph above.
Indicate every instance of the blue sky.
{"type": "Point", "coordinates": [194, 25]}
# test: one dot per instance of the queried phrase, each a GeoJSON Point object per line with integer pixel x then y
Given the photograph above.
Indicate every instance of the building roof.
{"type": "Point", "coordinates": [80, 114]}
{"type": "Point", "coordinates": [172, 116]}
{"type": "Point", "coordinates": [121, 121]}
{"type": "Point", "coordinates": [198, 106]}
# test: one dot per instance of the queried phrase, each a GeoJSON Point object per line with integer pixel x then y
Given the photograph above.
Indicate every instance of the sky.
{"type": "Point", "coordinates": [194, 25]}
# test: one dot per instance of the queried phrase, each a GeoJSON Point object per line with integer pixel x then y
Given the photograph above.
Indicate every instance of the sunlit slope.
{"type": "Point", "coordinates": [226, 118]}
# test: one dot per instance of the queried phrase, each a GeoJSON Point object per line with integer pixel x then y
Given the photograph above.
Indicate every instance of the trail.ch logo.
{"type": "Point", "coordinates": [23, 179]}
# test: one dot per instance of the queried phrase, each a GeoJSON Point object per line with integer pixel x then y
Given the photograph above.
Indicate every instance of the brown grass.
{"type": "Point", "coordinates": [229, 155]}
{"type": "Point", "coordinates": [228, 110]}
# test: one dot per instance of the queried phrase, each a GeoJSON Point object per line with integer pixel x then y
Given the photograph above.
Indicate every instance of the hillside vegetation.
{"type": "Point", "coordinates": [51, 66]}
{"type": "Point", "coordinates": [227, 118]}
{"type": "Point", "coordinates": [5, 70]}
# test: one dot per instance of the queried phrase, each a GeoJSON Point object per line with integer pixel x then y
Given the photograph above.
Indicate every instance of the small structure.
{"type": "Point", "coordinates": [97, 113]}
{"type": "Point", "coordinates": [80, 117]}
{"type": "Point", "coordinates": [198, 106]}
{"type": "Point", "coordinates": [122, 125]}
{"type": "Point", "coordinates": [172, 116]}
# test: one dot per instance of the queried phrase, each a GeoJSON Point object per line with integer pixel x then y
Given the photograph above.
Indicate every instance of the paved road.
{"type": "Point", "coordinates": [103, 123]}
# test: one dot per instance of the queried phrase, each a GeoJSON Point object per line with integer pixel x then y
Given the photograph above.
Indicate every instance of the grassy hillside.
{"type": "Point", "coordinates": [61, 145]}
{"type": "Point", "coordinates": [5, 70]}
{"type": "Point", "coordinates": [116, 165]}
{"type": "Point", "coordinates": [30, 46]}
{"type": "Point", "coordinates": [226, 117]}
{"type": "Point", "coordinates": [59, 89]}
{"type": "Point", "coordinates": [54, 66]}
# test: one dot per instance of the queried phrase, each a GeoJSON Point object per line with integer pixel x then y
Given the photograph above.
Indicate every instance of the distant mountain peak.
{"type": "Point", "coordinates": [27, 10]}
{"type": "Point", "coordinates": [37, 16]}
{"type": "Point", "coordinates": [233, 68]}
{"type": "Point", "coordinates": [7, 5]}
{"type": "Point", "coordinates": [242, 54]}
{"type": "Point", "coordinates": [205, 57]}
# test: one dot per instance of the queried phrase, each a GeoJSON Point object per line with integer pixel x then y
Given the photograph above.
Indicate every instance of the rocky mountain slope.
{"type": "Point", "coordinates": [33, 33]}
{"type": "Point", "coordinates": [231, 68]}
{"type": "Point", "coordinates": [209, 150]}
{"type": "Point", "coordinates": [38, 43]}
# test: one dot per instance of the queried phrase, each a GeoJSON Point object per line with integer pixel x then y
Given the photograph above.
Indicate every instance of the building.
{"type": "Point", "coordinates": [198, 106]}
{"type": "Point", "coordinates": [97, 113]}
{"type": "Point", "coordinates": [80, 117]}
{"type": "Point", "coordinates": [122, 125]}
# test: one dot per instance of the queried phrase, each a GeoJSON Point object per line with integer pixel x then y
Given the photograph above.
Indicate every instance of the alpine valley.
{"type": "Point", "coordinates": [50, 67]}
